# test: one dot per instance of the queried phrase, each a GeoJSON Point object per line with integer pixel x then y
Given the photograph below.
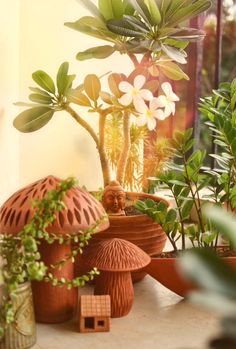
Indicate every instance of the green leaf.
{"type": "Point", "coordinates": [40, 99]}
{"type": "Point", "coordinates": [79, 98]}
{"type": "Point", "coordinates": [33, 119]}
{"type": "Point", "coordinates": [223, 221]}
{"type": "Point", "coordinates": [127, 8]}
{"type": "Point", "coordinates": [154, 11]}
{"type": "Point", "coordinates": [142, 10]}
{"type": "Point", "coordinates": [44, 80]}
{"type": "Point", "coordinates": [186, 209]}
{"type": "Point", "coordinates": [117, 8]}
{"type": "Point", "coordinates": [183, 13]}
{"type": "Point", "coordinates": [40, 91]}
{"type": "Point", "coordinates": [93, 27]}
{"type": "Point", "coordinates": [171, 215]}
{"type": "Point", "coordinates": [187, 34]}
{"type": "Point", "coordinates": [92, 86]}
{"type": "Point", "coordinates": [213, 274]}
{"type": "Point", "coordinates": [98, 52]}
{"type": "Point", "coordinates": [172, 71]}
{"type": "Point", "coordinates": [174, 53]}
{"type": "Point", "coordinates": [105, 7]}
{"type": "Point", "coordinates": [62, 77]}
{"type": "Point", "coordinates": [123, 27]}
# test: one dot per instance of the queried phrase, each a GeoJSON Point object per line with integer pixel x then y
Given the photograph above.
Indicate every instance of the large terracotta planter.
{"type": "Point", "coordinates": [138, 229]}
{"type": "Point", "coordinates": [166, 271]}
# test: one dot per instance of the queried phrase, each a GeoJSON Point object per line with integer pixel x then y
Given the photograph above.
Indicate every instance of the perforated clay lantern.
{"type": "Point", "coordinates": [53, 304]}
{"type": "Point", "coordinates": [115, 259]}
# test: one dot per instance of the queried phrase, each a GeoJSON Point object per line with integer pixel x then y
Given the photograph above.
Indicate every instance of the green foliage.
{"type": "Point", "coordinates": [22, 260]}
{"type": "Point", "coordinates": [47, 99]}
{"type": "Point", "coordinates": [184, 179]}
{"type": "Point", "coordinates": [215, 277]}
{"type": "Point", "coordinates": [148, 27]}
{"type": "Point", "coordinates": [220, 110]}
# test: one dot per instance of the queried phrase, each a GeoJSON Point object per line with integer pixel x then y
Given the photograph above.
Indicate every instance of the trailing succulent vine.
{"type": "Point", "coordinates": [21, 258]}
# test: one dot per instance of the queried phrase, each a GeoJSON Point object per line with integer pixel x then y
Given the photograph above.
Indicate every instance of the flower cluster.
{"type": "Point", "coordinates": [158, 108]}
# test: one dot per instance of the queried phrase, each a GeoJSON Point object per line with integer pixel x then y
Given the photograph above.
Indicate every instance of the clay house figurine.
{"type": "Point", "coordinates": [115, 259]}
{"type": "Point", "coordinates": [94, 313]}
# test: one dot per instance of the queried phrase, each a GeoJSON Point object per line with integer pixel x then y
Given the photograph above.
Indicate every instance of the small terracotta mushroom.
{"type": "Point", "coordinates": [53, 304]}
{"type": "Point", "coordinates": [116, 258]}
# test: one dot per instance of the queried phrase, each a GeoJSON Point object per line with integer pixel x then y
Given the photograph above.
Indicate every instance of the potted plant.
{"type": "Point", "coordinates": [151, 35]}
{"type": "Point", "coordinates": [215, 278]}
{"type": "Point", "coordinates": [22, 263]}
{"type": "Point", "coordinates": [186, 180]}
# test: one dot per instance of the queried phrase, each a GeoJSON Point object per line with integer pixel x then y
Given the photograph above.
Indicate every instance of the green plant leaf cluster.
{"type": "Point", "coordinates": [220, 109]}
{"type": "Point", "coordinates": [150, 27]}
{"type": "Point", "coordinates": [47, 99]}
{"type": "Point", "coordinates": [184, 180]}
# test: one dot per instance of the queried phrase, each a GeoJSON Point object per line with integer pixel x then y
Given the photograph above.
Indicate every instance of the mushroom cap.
{"type": "Point", "coordinates": [82, 209]}
{"type": "Point", "coordinates": [115, 255]}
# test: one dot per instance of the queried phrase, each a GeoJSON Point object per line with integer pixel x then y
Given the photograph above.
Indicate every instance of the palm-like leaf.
{"type": "Point", "coordinates": [145, 24]}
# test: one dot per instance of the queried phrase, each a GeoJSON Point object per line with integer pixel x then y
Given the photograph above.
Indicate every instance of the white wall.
{"type": "Point", "coordinates": [61, 148]}
{"type": "Point", "coordinates": [9, 88]}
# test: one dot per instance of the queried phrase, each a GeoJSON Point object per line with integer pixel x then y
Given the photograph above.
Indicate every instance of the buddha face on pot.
{"type": "Point", "coordinates": [113, 199]}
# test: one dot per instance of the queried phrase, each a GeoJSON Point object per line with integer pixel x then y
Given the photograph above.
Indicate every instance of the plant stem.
{"type": "Point", "coordinates": [102, 150]}
{"type": "Point", "coordinates": [133, 59]}
{"type": "Point", "coordinates": [83, 123]}
{"type": "Point", "coordinates": [99, 143]}
{"type": "Point", "coordinates": [124, 155]}
{"type": "Point", "coordinates": [181, 220]}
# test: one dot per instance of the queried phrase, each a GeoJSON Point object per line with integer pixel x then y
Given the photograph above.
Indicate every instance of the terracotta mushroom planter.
{"type": "Point", "coordinates": [52, 304]}
{"type": "Point", "coordinates": [166, 271]}
{"type": "Point", "coordinates": [116, 258]}
{"type": "Point", "coordinates": [137, 229]}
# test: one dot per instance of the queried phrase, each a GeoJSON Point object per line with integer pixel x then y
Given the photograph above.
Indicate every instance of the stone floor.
{"type": "Point", "coordinates": [159, 319]}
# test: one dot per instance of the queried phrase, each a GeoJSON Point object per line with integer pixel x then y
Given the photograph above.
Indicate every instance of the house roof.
{"type": "Point", "coordinates": [91, 305]}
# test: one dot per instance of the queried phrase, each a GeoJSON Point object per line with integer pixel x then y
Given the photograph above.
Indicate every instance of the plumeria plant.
{"type": "Point", "coordinates": [151, 35]}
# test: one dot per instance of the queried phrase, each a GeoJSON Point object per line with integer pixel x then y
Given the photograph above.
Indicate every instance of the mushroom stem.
{"type": "Point", "coordinates": [119, 286]}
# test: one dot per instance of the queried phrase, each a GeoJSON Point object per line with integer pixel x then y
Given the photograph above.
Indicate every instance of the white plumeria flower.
{"type": "Point", "coordinates": [132, 93]}
{"type": "Point", "coordinates": [149, 114]}
{"type": "Point", "coordinates": [168, 101]}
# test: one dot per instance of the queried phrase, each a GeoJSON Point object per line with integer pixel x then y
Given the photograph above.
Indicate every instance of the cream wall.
{"type": "Point", "coordinates": [9, 88]}
{"type": "Point", "coordinates": [61, 148]}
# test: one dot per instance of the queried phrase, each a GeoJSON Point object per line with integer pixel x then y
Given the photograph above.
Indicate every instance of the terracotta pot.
{"type": "Point", "coordinates": [138, 229]}
{"type": "Point", "coordinates": [63, 302]}
{"type": "Point", "coordinates": [166, 271]}
{"type": "Point", "coordinates": [52, 304]}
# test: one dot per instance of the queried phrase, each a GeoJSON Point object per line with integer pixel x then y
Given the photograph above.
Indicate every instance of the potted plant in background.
{"type": "Point", "coordinates": [150, 33]}
{"type": "Point", "coordinates": [186, 181]}
{"type": "Point", "coordinates": [21, 263]}
{"type": "Point", "coordinates": [215, 278]}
